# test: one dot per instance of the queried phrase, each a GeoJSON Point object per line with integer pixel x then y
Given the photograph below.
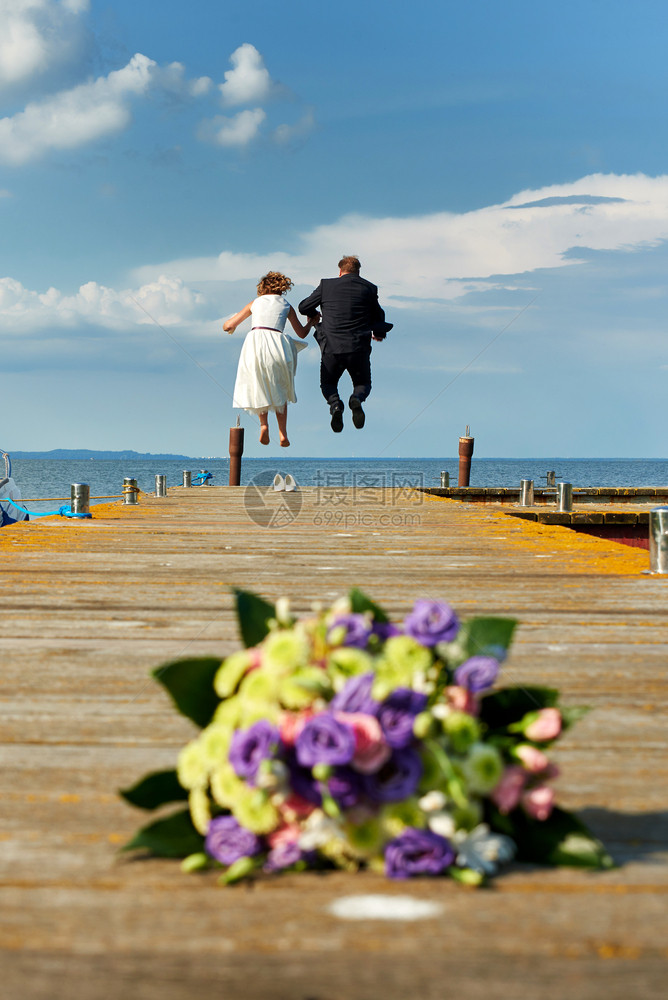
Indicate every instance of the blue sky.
{"type": "Point", "coordinates": [501, 169]}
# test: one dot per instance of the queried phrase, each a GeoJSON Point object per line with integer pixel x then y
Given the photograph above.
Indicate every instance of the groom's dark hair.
{"type": "Point", "coordinates": [349, 265]}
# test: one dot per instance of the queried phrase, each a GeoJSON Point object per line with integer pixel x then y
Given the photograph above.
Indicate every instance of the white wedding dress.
{"type": "Point", "coordinates": [268, 359]}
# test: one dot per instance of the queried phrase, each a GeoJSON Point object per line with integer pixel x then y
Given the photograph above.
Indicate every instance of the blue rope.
{"type": "Point", "coordinates": [64, 511]}
{"type": "Point", "coordinates": [203, 476]}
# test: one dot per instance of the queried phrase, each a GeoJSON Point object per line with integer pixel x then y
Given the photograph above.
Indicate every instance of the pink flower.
{"type": "Point", "coordinates": [288, 834]}
{"type": "Point", "coordinates": [532, 758]}
{"type": "Point", "coordinates": [462, 700]}
{"type": "Point", "coordinates": [508, 792]}
{"type": "Point", "coordinates": [371, 750]}
{"type": "Point", "coordinates": [546, 726]}
{"type": "Point", "coordinates": [538, 802]}
{"type": "Point", "coordinates": [291, 725]}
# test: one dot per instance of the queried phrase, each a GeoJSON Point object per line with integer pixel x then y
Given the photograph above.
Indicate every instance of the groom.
{"type": "Point", "coordinates": [351, 318]}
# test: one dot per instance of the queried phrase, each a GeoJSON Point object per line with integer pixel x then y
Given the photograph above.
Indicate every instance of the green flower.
{"type": "Point", "coordinates": [226, 787]}
{"type": "Point", "coordinates": [366, 839]}
{"type": "Point", "coordinates": [396, 817]}
{"type": "Point", "coordinates": [200, 810]}
{"type": "Point", "coordinates": [254, 810]}
{"type": "Point", "coordinates": [285, 650]}
{"type": "Point", "coordinates": [259, 686]}
{"type": "Point", "coordinates": [228, 713]}
{"type": "Point", "coordinates": [230, 673]}
{"type": "Point", "coordinates": [215, 743]}
{"type": "Point", "coordinates": [482, 768]}
{"type": "Point", "coordinates": [462, 730]}
{"type": "Point", "coordinates": [302, 689]}
{"type": "Point", "coordinates": [402, 661]}
{"type": "Point", "coordinates": [192, 768]}
{"type": "Point", "coordinates": [346, 662]}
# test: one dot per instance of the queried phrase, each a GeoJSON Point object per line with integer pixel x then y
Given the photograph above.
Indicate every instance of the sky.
{"type": "Point", "coordinates": [501, 170]}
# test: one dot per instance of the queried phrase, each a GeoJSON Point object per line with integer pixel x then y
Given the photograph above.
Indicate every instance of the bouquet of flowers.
{"type": "Point", "coordinates": [345, 740]}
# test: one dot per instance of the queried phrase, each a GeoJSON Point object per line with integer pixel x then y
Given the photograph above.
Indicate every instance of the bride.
{"type": "Point", "coordinates": [268, 359]}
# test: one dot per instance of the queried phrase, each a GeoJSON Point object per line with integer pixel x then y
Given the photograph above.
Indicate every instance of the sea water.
{"type": "Point", "coordinates": [51, 479]}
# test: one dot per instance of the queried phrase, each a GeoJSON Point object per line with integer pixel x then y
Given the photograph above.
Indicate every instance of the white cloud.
{"type": "Point", "coordinates": [89, 111]}
{"type": "Point", "coordinates": [166, 301]}
{"type": "Point", "coordinates": [36, 35]}
{"type": "Point", "coordinates": [4, 193]}
{"type": "Point", "coordinates": [249, 82]}
{"type": "Point", "coordinates": [445, 255]}
{"type": "Point", "coordinates": [287, 133]}
{"type": "Point", "coordinates": [237, 131]}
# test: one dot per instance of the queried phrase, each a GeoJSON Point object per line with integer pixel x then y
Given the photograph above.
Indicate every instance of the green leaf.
{"type": "Point", "coordinates": [253, 613]}
{"type": "Point", "coordinates": [561, 840]}
{"type": "Point", "coordinates": [481, 637]}
{"type": "Point", "coordinates": [190, 684]}
{"type": "Point", "coordinates": [508, 705]}
{"type": "Point", "coordinates": [360, 603]}
{"type": "Point", "coordinates": [154, 790]}
{"type": "Point", "coordinates": [572, 714]}
{"type": "Point", "coordinates": [173, 837]}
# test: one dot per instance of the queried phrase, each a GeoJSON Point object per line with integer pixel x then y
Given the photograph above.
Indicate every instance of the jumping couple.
{"type": "Point", "coordinates": [350, 318]}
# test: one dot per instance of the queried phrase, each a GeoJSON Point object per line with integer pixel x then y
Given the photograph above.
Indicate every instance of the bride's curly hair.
{"type": "Point", "coordinates": [273, 283]}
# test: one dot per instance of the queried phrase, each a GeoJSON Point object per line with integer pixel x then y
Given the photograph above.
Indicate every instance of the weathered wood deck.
{"type": "Point", "coordinates": [88, 608]}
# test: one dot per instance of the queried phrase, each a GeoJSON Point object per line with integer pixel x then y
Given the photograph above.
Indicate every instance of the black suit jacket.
{"type": "Point", "coordinates": [350, 313]}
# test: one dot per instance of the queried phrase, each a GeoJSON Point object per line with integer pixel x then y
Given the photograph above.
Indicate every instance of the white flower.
{"type": "Point", "coordinates": [318, 830]}
{"type": "Point", "coordinates": [440, 710]}
{"type": "Point", "coordinates": [482, 850]}
{"type": "Point", "coordinates": [443, 824]}
{"type": "Point", "coordinates": [283, 616]}
{"type": "Point", "coordinates": [432, 802]}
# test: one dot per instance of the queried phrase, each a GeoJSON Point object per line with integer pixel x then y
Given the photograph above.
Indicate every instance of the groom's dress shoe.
{"type": "Point", "coordinates": [358, 413]}
{"type": "Point", "coordinates": [337, 418]}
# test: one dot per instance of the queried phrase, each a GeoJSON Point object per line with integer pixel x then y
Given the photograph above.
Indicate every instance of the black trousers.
{"type": "Point", "coordinates": [356, 363]}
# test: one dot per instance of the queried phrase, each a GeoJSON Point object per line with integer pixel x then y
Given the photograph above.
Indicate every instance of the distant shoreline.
{"type": "Point", "coordinates": [82, 454]}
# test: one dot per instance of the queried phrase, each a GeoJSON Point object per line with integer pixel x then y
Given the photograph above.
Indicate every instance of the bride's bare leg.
{"type": "Point", "coordinates": [264, 427]}
{"type": "Point", "coordinates": [282, 421]}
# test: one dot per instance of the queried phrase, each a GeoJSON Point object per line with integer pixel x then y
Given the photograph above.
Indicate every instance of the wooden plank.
{"type": "Point", "coordinates": [88, 608]}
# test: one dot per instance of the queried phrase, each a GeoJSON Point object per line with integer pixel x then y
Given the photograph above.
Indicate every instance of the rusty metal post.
{"type": "Point", "coordinates": [465, 455]}
{"type": "Point", "coordinates": [236, 451]}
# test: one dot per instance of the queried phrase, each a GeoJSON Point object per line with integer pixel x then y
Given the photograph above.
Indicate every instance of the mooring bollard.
{"type": "Point", "coordinates": [658, 540]}
{"type": "Point", "coordinates": [445, 479]}
{"type": "Point", "coordinates": [236, 451]}
{"type": "Point", "coordinates": [80, 498]}
{"type": "Point", "coordinates": [187, 475]}
{"type": "Point", "coordinates": [465, 455]}
{"type": "Point", "coordinates": [526, 493]}
{"type": "Point", "coordinates": [565, 496]}
{"type": "Point", "coordinates": [161, 486]}
{"type": "Point", "coordinates": [550, 478]}
{"type": "Point", "coordinates": [130, 491]}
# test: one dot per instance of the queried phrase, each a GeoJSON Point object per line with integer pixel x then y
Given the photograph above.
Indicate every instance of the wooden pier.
{"type": "Point", "coordinates": [89, 607]}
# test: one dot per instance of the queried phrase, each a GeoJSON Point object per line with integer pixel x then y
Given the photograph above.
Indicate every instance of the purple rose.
{"type": "Point", "coordinates": [396, 780]}
{"type": "Point", "coordinates": [477, 674]}
{"type": "Point", "coordinates": [355, 696]}
{"type": "Point", "coordinates": [417, 852]}
{"type": "Point", "coordinates": [345, 787]}
{"type": "Point", "coordinates": [397, 715]}
{"type": "Point", "coordinates": [249, 747]}
{"type": "Point", "coordinates": [227, 841]}
{"type": "Point", "coordinates": [357, 630]}
{"type": "Point", "coordinates": [283, 856]}
{"type": "Point", "coordinates": [431, 622]}
{"type": "Point", "coordinates": [325, 740]}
